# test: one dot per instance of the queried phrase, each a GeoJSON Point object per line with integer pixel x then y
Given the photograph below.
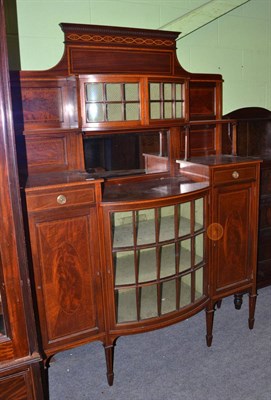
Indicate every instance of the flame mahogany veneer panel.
{"type": "Point", "coordinates": [202, 100]}
{"type": "Point", "coordinates": [54, 151]}
{"type": "Point", "coordinates": [14, 388]}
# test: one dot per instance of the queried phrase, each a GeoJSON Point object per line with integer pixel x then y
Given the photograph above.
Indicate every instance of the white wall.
{"type": "Point", "coordinates": [236, 45]}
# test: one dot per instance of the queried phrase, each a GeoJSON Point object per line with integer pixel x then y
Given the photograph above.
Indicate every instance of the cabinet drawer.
{"type": "Point", "coordinates": [59, 198]}
{"type": "Point", "coordinates": [235, 174]}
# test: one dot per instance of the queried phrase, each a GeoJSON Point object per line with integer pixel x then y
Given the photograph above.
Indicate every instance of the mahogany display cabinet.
{"type": "Point", "coordinates": [133, 213]}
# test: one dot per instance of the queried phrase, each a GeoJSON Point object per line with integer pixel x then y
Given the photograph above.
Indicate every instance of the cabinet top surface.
{"type": "Point", "coordinates": [223, 160]}
{"type": "Point", "coordinates": [59, 178]}
{"type": "Point", "coordinates": [151, 189]}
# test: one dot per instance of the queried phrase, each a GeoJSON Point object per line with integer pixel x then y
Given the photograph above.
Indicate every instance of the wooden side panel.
{"type": "Point", "coordinates": [46, 103]}
{"type": "Point", "coordinates": [202, 141]}
{"type": "Point", "coordinates": [43, 105]}
{"type": "Point", "coordinates": [43, 151]}
{"type": "Point", "coordinates": [202, 100]}
{"type": "Point", "coordinates": [66, 269]}
{"type": "Point", "coordinates": [54, 152]}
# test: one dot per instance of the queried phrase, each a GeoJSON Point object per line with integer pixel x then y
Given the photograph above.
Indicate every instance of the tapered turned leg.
{"type": "Point", "coordinates": [209, 325]}
{"type": "Point", "coordinates": [238, 301]}
{"type": "Point", "coordinates": [109, 356]}
{"type": "Point", "coordinates": [252, 305]}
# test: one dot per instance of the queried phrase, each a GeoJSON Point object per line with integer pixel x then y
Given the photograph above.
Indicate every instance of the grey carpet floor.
{"type": "Point", "coordinates": [174, 363]}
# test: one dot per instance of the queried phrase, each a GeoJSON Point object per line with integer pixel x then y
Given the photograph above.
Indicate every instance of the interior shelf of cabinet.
{"type": "Point", "coordinates": [150, 230]}
{"type": "Point", "coordinates": [140, 302]}
{"type": "Point", "coordinates": [156, 263]}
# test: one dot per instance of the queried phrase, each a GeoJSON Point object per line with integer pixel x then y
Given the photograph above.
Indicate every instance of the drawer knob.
{"type": "Point", "coordinates": [235, 174]}
{"type": "Point", "coordinates": [61, 199]}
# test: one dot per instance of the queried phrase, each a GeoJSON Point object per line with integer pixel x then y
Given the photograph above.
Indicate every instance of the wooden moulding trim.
{"type": "Point", "coordinates": [52, 131]}
{"type": "Point", "coordinates": [119, 35]}
{"type": "Point", "coordinates": [20, 363]}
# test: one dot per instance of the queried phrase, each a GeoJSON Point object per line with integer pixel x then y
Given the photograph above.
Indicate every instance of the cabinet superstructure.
{"type": "Point", "coordinates": [134, 215]}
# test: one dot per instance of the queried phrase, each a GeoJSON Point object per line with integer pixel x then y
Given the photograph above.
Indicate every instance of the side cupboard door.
{"type": "Point", "coordinates": [66, 264]}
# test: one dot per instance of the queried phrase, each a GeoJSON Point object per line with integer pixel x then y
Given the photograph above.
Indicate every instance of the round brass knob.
{"type": "Point", "coordinates": [61, 199]}
{"type": "Point", "coordinates": [235, 175]}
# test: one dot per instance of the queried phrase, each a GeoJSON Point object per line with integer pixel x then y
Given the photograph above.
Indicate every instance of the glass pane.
{"type": "Point", "coordinates": [167, 230]}
{"type": "Point", "coordinates": [125, 301]}
{"type": "Point", "coordinates": [148, 302]}
{"type": "Point", "coordinates": [155, 111]}
{"type": "Point", "coordinates": [168, 91]}
{"type": "Point", "coordinates": [154, 91]}
{"type": "Point", "coordinates": [168, 297]}
{"type": "Point", "coordinates": [198, 214]}
{"type": "Point", "coordinates": [185, 255]}
{"type": "Point", "coordinates": [147, 265]}
{"type": "Point", "coordinates": [199, 248]}
{"type": "Point", "coordinates": [179, 110]}
{"type": "Point", "coordinates": [178, 94]}
{"type": "Point", "coordinates": [145, 227]}
{"type": "Point", "coordinates": [132, 112]}
{"type": "Point", "coordinates": [168, 110]}
{"type": "Point", "coordinates": [124, 267]}
{"type": "Point", "coordinates": [122, 229]}
{"type": "Point", "coordinates": [2, 325]}
{"type": "Point", "coordinates": [185, 290]}
{"type": "Point", "coordinates": [114, 112]}
{"type": "Point", "coordinates": [94, 92]}
{"type": "Point", "coordinates": [184, 219]}
{"type": "Point", "coordinates": [199, 283]}
{"type": "Point", "coordinates": [113, 92]}
{"type": "Point", "coordinates": [131, 91]}
{"type": "Point", "coordinates": [95, 112]}
{"type": "Point", "coordinates": [167, 267]}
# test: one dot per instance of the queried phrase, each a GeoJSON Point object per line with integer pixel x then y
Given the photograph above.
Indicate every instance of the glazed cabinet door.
{"type": "Point", "coordinates": [233, 235]}
{"type": "Point", "coordinates": [66, 262]}
{"type": "Point", "coordinates": [158, 262]}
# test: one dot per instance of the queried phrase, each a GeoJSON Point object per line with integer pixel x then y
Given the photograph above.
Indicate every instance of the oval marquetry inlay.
{"type": "Point", "coordinates": [215, 231]}
{"type": "Point", "coordinates": [68, 278]}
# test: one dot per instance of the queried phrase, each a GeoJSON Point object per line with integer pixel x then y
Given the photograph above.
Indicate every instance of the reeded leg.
{"type": "Point", "coordinates": [109, 356]}
{"type": "Point", "coordinates": [238, 301]}
{"type": "Point", "coordinates": [209, 325]}
{"type": "Point", "coordinates": [252, 305]}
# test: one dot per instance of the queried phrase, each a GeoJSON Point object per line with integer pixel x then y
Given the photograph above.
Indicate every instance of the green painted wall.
{"type": "Point", "coordinates": [236, 45]}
